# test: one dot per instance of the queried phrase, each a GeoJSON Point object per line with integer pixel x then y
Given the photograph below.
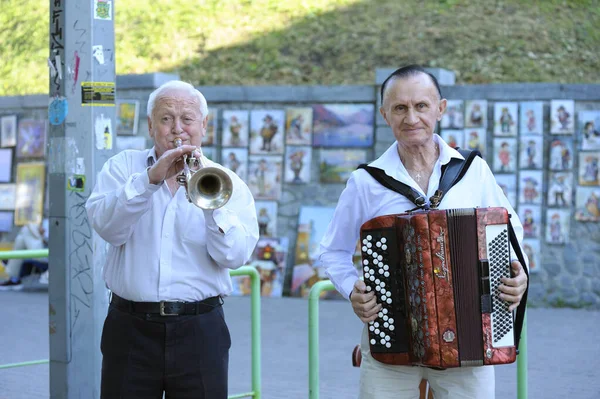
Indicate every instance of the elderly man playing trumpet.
{"type": "Point", "coordinates": [169, 257]}
{"type": "Point", "coordinates": [412, 105]}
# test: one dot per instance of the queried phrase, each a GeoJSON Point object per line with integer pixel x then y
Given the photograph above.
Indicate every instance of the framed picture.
{"type": "Point", "coordinates": [8, 131]}
{"type": "Point", "coordinates": [508, 184]}
{"type": "Point", "coordinates": [210, 137]}
{"type": "Point", "coordinates": [531, 117]}
{"type": "Point", "coordinates": [588, 126]}
{"type": "Point", "coordinates": [7, 196]}
{"type": "Point", "coordinates": [587, 204]}
{"type": "Point", "coordinates": [337, 165]}
{"type": "Point", "coordinates": [298, 126]}
{"type": "Point", "coordinates": [266, 211]}
{"type": "Point", "coordinates": [31, 142]}
{"type": "Point", "coordinates": [235, 128]}
{"type": "Point", "coordinates": [475, 139]}
{"type": "Point", "coordinates": [476, 113]}
{"type": "Point", "coordinates": [561, 154]}
{"type": "Point", "coordinates": [265, 176]}
{"type": "Point", "coordinates": [505, 155]}
{"type": "Point", "coordinates": [453, 117]}
{"type": "Point", "coordinates": [343, 125]}
{"type": "Point", "coordinates": [531, 247]}
{"type": "Point", "coordinates": [560, 189]}
{"type": "Point", "coordinates": [532, 152]}
{"type": "Point", "coordinates": [530, 187]}
{"type": "Point", "coordinates": [267, 131]}
{"type": "Point", "coordinates": [589, 165]}
{"type": "Point", "coordinates": [236, 159]}
{"type": "Point", "coordinates": [6, 222]}
{"type": "Point", "coordinates": [5, 165]}
{"type": "Point", "coordinates": [270, 260]}
{"type": "Point", "coordinates": [531, 218]}
{"type": "Point", "coordinates": [298, 160]}
{"type": "Point", "coordinates": [29, 199]}
{"type": "Point", "coordinates": [454, 138]}
{"type": "Point", "coordinates": [128, 114]}
{"type": "Point", "coordinates": [562, 116]}
{"type": "Point", "coordinates": [505, 119]}
{"type": "Point", "coordinates": [557, 226]}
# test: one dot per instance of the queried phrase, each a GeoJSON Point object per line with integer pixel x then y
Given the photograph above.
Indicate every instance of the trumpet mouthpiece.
{"type": "Point", "coordinates": [178, 142]}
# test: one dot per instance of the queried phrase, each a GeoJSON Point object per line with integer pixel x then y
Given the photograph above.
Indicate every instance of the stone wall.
{"type": "Point", "coordinates": [569, 275]}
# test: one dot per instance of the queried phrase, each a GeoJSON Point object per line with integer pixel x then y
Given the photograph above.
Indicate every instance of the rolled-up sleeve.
{"type": "Point", "coordinates": [118, 200]}
{"type": "Point", "coordinates": [232, 230]}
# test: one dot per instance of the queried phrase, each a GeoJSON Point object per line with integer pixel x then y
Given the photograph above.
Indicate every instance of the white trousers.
{"type": "Point", "coordinates": [383, 381]}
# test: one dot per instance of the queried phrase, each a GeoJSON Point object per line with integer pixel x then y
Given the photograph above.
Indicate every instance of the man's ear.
{"type": "Point", "coordinates": [150, 128]}
{"type": "Point", "coordinates": [442, 108]}
{"type": "Point", "coordinates": [383, 114]}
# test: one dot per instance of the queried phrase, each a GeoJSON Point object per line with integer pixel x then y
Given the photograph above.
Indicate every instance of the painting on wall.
{"type": "Point", "coordinates": [267, 131]}
{"type": "Point", "coordinates": [236, 159]}
{"type": "Point", "coordinates": [29, 196]}
{"type": "Point", "coordinates": [530, 187]}
{"type": "Point", "coordinates": [508, 184]}
{"type": "Point", "coordinates": [505, 155]}
{"type": "Point", "coordinates": [531, 248]}
{"type": "Point", "coordinates": [8, 131]}
{"type": "Point", "coordinates": [505, 118]}
{"type": "Point", "coordinates": [265, 176]}
{"type": "Point", "coordinates": [210, 153]}
{"type": "Point", "coordinates": [7, 196]}
{"type": "Point", "coordinates": [312, 224]}
{"type": "Point", "coordinates": [560, 189]}
{"type": "Point", "coordinates": [343, 125]}
{"type": "Point", "coordinates": [266, 212]}
{"type": "Point", "coordinates": [475, 139]}
{"type": "Point", "coordinates": [589, 166]}
{"type": "Point", "coordinates": [531, 218]}
{"type": "Point", "coordinates": [562, 116]}
{"type": "Point", "coordinates": [531, 117]}
{"type": "Point", "coordinates": [235, 128]}
{"type": "Point", "coordinates": [127, 116]}
{"type": "Point", "coordinates": [476, 113]}
{"type": "Point", "coordinates": [587, 204]}
{"type": "Point", "coordinates": [454, 138]}
{"type": "Point", "coordinates": [6, 222]}
{"type": "Point", "coordinates": [270, 260]}
{"type": "Point", "coordinates": [5, 165]}
{"type": "Point", "coordinates": [210, 138]}
{"type": "Point", "coordinates": [588, 126]}
{"type": "Point", "coordinates": [337, 165]}
{"type": "Point", "coordinates": [561, 154]}
{"type": "Point", "coordinates": [298, 126]}
{"type": "Point", "coordinates": [31, 142]}
{"type": "Point", "coordinates": [297, 164]}
{"type": "Point", "coordinates": [532, 152]}
{"type": "Point", "coordinates": [557, 226]}
{"type": "Point", "coordinates": [453, 117]}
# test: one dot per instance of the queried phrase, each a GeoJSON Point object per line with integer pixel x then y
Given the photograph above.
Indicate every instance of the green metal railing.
{"type": "Point", "coordinates": [313, 345]}
{"type": "Point", "coordinates": [255, 319]}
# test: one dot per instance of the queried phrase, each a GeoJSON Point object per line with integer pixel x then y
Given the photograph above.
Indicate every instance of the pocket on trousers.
{"type": "Point", "coordinates": [113, 339]}
{"type": "Point", "coordinates": [225, 328]}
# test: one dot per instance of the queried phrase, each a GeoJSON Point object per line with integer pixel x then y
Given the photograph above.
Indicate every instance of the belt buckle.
{"type": "Point", "coordinates": [162, 310]}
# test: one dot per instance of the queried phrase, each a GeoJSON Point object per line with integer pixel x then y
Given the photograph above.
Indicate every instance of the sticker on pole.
{"type": "Point", "coordinates": [76, 183]}
{"type": "Point", "coordinates": [103, 9]}
{"type": "Point", "coordinates": [57, 110]}
{"type": "Point", "coordinates": [98, 94]}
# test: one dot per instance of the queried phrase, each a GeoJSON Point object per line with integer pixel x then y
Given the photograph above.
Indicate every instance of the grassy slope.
{"type": "Point", "coordinates": [324, 41]}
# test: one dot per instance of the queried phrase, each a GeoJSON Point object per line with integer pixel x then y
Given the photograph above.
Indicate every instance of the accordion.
{"type": "Point", "coordinates": [436, 274]}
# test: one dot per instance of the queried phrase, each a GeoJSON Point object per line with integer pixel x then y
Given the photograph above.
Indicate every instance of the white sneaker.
{"type": "Point", "coordinates": [44, 278]}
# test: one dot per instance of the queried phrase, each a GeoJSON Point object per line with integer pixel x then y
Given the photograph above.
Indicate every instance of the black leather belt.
{"type": "Point", "coordinates": [164, 308]}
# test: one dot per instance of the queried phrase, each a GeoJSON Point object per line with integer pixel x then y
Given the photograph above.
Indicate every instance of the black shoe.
{"type": "Point", "coordinates": [10, 285]}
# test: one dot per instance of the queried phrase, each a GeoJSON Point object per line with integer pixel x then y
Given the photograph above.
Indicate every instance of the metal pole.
{"type": "Point", "coordinates": [24, 254]}
{"type": "Point", "coordinates": [81, 117]}
{"type": "Point", "coordinates": [313, 336]}
{"type": "Point", "coordinates": [522, 363]}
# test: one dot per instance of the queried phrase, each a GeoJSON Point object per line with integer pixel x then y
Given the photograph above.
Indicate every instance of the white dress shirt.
{"type": "Point", "coordinates": [161, 246]}
{"type": "Point", "coordinates": [364, 199]}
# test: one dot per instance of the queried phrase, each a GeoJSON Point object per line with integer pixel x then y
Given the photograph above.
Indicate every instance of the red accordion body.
{"type": "Point", "coordinates": [437, 273]}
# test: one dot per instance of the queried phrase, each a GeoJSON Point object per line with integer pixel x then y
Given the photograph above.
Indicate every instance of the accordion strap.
{"type": "Point", "coordinates": [520, 316]}
{"type": "Point", "coordinates": [452, 173]}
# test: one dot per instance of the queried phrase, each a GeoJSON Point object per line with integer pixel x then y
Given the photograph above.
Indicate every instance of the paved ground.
{"type": "Point", "coordinates": [564, 353]}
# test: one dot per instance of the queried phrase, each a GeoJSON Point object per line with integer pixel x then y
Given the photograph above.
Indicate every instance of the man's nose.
{"type": "Point", "coordinates": [411, 117]}
{"type": "Point", "coordinates": [177, 129]}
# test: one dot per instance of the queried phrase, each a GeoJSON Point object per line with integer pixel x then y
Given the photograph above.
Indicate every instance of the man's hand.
{"type": "Point", "coordinates": [364, 303]}
{"type": "Point", "coordinates": [170, 164]}
{"type": "Point", "coordinates": [513, 288]}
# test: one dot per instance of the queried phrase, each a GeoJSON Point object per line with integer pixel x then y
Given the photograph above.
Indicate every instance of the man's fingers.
{"type": "Point", "coordinates": [360, 286]}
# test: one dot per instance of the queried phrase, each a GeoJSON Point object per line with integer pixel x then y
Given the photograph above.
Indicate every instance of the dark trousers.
{"type": "Point", "coordinates": [184, 356]}
{"type": "Point", "coordinates": [29, 265]}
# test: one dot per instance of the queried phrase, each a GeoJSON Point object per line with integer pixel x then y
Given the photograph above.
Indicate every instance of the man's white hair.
{"type": "Point", "coordinates": [177, 85]}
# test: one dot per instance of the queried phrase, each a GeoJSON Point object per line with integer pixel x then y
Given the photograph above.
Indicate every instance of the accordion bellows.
{"type": "Point", "coordinates": [437, 273]}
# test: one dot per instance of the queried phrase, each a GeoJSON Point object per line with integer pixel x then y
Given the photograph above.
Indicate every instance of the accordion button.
{"type": "Point", "coordinates": [384, 317]}
{"type": "Point", "coordinates": [388, 345]}
{"type": "Point", "coordinates": [369, 251]}
{"type": "Point", "coordinates": [380, 314]}
{"type": "Point", "coordinates": [376, 325]}
{"type": "Point", "coordinates": [380, 271]}
{"type": "Point", "coordinates": [391, 321]}
{"type": "Point", "coordinates": [386, 267]}
{"type": "Point", "coordinates": [392, 328]}
{"type": "Point", "coordinates": [365, 241]}
{"type": "Point", "coordinates": [383, 298]}
{"type": "Point", "coordinates": [371, 328]}
{"type": "Point", "coordinates": [386, 324]}
{"type": "Point", "coordinates": [369, 245]}
{"type": "Point", "coordinates": [377, 288]}
{"type": "Point", "coordinates": [378, 244]}
{"type": "Point", "coordinates": [376, 331]}
{"type": "Point", "coordinates": [380, 258]}
{"type": "Point", "coordinates": [382, 341]}
{"type": "Point", "coordinates": [373, 342]}
{"type": "Point", "coordinates": [372, 278]}
{"type": "Point", "coordinates": [369, 237]}
{"type": "Point", "coordinates": [365, 262]}
{"type": "Point", "coordinates": [366, 268]}
{"type": "Point", "coordinates": [384, 311]}
{"type": "Point", "coordinates": [386, 274]}
{"type": "Point", "coordinates": [387, 337]}
{"type": "Point", "coordinates": [389, 301]}
{"type": "Point", "coordinates": [377, 281]}
{"type": "Point", "coordinates": [375, 262]}
{"type": "Point", "coordinates": [384, 247]}
{"type": "Point", "coordinates": [364, 248]}
{"type": "Point", "coordinates": [368, 288]}
{"type": "Point", "coordinates": [383, 240]}
{"type": "Point", "coordinates": [375, 255]}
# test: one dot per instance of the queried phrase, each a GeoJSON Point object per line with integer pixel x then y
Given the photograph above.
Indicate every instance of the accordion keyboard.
{"type": "Point", "coordinates": [379, 256]}
{"type": "Point", "coordinates": [498, 251]}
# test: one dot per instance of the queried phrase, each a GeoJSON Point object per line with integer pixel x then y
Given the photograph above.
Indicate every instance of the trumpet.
{"type": "Point", "coordinates": [206, 187]}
